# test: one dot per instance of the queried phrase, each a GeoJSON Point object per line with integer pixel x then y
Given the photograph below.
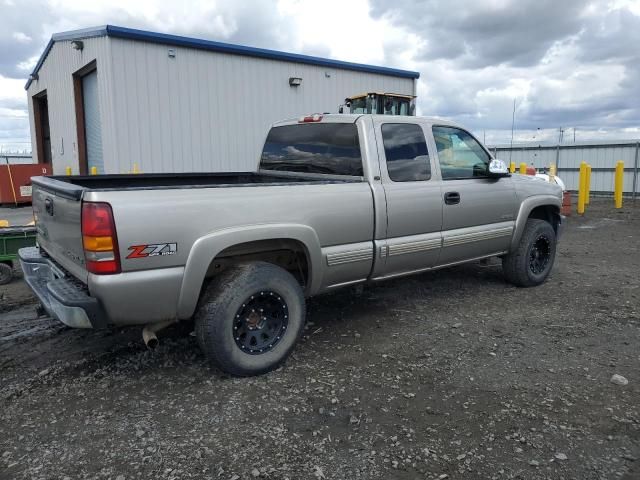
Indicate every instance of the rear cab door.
{"type": "Point", "coordinates": [412, 193]}
{"type": "Point", "coordinates": [478, 211]}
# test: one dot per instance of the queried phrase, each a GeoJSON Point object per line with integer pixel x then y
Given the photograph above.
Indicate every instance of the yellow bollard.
{"type": "Point", "coordinates": [552, 172]}
{"type": "Point", "coordinates": [587, 194]}
{"type": "Point", "coordinates": [68, 171]}
{"type": "Point", "coordinates": [523, 168]}
{"type": "Point", "coordinates": [4, 223]}
{"type": "Point", "coordinates": [94, 170]}
{"type": "Point", "coordinates": [582, 185]}
{"type": "Point", "coordinates": [617, 195]}
{"type": "Point", "coordinates": [512, 167]}
{"type": "Point", "coordinates": [135, 168]}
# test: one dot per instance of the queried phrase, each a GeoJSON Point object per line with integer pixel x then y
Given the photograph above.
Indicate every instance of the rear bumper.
{"type": "Point", "coordinates": [63, 297]}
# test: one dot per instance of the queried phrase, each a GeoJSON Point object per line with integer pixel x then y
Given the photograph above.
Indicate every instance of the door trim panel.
{"type": "Point", "coordinates": [413, 246]}
{"type": "Point", "coordinates": [461, 236]}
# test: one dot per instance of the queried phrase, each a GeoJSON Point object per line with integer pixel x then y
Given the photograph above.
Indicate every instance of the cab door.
{"type": "Point", "coordinates": [413, 199]}
{"type": "Point", "coordinates": [478, 211]}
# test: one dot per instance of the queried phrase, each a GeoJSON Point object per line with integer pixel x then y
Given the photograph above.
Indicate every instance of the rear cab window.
{"type": "Point", "coordinates": [329, 148]}
{"type": "Point", "coordinates": [405, 151]}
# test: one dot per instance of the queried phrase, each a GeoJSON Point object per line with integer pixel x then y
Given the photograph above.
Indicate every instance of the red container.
{"type": "Point", "coordinates": [21, 175]}
{"type": "Point", "coordinates": [566, 204]}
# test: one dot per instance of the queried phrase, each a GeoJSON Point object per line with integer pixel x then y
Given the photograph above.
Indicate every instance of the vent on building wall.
{"type": "Point", "coordinates": [295, 81]}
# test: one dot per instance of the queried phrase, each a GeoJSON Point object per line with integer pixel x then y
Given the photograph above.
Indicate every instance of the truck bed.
{"type": "Point", "coordinates": [72, 186]}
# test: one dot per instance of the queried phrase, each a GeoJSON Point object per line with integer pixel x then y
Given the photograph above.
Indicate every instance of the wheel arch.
{"type": "Point", "coordinates": [247, 242]}
{"type": "Point", "coordinates": [543, 207]}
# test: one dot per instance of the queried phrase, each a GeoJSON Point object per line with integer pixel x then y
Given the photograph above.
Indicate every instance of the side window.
{"type": "Point", "coordinates": [406, 152]}
{"type": "Point", "coordinates": [460, 155]}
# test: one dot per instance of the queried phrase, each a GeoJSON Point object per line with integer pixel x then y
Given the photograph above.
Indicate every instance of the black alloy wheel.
{"type": "Point", "coordinates": [260, 322]}
{"type": "Point", "coordinates": [540, 255]}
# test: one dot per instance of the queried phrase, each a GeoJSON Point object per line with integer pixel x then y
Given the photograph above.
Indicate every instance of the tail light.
{"type": "Point", "coordinates": [99, 239]}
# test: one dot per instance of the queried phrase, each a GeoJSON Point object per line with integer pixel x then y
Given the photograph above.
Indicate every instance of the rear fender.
{"type": "Point", "coordinates": [208, 247]}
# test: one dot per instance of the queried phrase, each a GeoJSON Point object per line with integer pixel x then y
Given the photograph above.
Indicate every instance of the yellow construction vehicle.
{"type": "Point", "coordinates": [380, 103]}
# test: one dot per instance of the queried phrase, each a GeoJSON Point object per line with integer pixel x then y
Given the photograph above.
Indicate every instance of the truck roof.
{"type": "Point", "coordinates": [352, 117]}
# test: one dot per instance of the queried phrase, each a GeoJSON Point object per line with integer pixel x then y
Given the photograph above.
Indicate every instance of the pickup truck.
{"type": "Point", "coordinates": [337, 200]}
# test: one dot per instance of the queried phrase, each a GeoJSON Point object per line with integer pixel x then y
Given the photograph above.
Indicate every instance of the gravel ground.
{"type": "Point", "coordinates": [450, 374]}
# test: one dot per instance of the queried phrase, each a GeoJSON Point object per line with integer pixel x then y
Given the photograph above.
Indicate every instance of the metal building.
{"type": "Point", "coordinates": [112, 97]}
{"type": "Point", "coordinates": [601, 155]}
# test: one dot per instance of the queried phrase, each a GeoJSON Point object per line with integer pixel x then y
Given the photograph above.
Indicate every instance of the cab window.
{"type": "Point", "coordinates": [460, 155]}
{"type": "Point", "coordinates": [405, 150]}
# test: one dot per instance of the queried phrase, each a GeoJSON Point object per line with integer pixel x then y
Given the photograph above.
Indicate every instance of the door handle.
{"type": "Point", "coordinates": [452, 198]}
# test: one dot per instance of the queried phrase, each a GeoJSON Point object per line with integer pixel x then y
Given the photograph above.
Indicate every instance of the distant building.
{"type": "Point", "coordinates": [112, 97]}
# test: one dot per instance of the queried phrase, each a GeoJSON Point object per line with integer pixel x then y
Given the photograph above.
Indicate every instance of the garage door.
{"type": "Point", "coordinates": [92, 126]}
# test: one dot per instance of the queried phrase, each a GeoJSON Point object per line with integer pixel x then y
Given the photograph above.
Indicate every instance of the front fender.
{"type": "Point", "coordinates": [526, 207]}
{"type": "Point", "coordinates": [207, 248]}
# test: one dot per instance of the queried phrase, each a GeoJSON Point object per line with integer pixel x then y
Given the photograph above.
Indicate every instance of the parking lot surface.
{"type": "Point", "coordinates": [449, 374]}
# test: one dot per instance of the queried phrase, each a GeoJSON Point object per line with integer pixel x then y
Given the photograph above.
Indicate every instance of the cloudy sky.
{"type": "Point", "coordinates": [571, 64]}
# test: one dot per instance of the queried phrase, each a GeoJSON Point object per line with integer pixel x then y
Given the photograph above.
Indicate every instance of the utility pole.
{"type": "Point", "coordinates": [513, 122]}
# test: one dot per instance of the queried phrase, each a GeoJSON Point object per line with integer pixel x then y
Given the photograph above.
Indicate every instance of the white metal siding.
{"type": "Point", "coordinates": [210, 111]}
{"type": "Point", "coordinates": [56, 76]}
{"type": "Point", "coordinates": [598, 156]}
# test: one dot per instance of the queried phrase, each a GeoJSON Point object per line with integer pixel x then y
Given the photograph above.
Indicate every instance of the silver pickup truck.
{"type": "Point", "coordinates": [337, 200]}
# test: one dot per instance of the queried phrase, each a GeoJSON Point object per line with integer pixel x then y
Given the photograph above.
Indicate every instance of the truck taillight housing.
{"type": "Point", "coordinates": [99, 239]}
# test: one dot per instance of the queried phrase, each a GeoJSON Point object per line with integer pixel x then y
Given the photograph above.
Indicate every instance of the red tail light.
{"type": "Point", "coordinates": [99, 239]}
{"type": "Point", "coordinates": [316, 117]}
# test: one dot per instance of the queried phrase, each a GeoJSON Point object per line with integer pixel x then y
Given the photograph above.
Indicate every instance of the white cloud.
{"type": "Point", "coordinates": [571, 63]}
{"type": "Point", "coordinates": [21, 37]}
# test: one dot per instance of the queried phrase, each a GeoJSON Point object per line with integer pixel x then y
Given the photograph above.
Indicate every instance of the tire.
{"type": "Point", "coordinates": [6, 273]}
{"type": "Point", "coordinates": [531, 262]}
{"type": "Point", "coordinates": [229, 324]}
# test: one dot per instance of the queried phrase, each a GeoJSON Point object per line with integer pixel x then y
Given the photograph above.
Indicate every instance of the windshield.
{"type": "Point", "coordinates": [329, 148]}
{"type": "Point", "coordinates": [359, 105]}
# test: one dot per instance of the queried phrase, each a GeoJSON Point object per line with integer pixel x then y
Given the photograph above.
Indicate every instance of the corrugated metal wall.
{"type": "Point", "coordinates": [602, 157]}
{"type": "Point", "coordinates": [204, 111]}
{"type": "Point", "coordinates": [197, 111]}
{"type": "Point", "coordinates": [55, 77]}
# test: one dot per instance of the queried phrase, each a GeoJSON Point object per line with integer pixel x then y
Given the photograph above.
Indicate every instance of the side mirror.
{"type": "Point", "coordinates": [498, 168]}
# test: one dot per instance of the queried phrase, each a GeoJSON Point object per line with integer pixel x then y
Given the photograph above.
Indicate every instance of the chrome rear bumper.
{"type": "Point", "coordinates": [63, 297]}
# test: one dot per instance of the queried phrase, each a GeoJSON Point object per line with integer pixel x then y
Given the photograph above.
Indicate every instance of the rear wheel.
{"type": "Point", "coordinates": [250, 318]}
{"type": "Point", "coordinates": [531, 262]}
{"type": "Point", "coordinates": [6, 273]}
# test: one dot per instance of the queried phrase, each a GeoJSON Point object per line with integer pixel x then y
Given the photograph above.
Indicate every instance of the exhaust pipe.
{"type": "Point", "coordinates": [149, 333]}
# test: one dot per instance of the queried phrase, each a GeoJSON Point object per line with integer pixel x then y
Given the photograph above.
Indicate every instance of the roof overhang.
{"type": "Point", "coordinates": [188, 42]}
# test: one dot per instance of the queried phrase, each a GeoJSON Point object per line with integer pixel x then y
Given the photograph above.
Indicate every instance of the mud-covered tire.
{"type": "Point", "coordinates": [531, 262]}
{"type": "Point", "coordinates": [226, 305]}
{"type": "Point", "coordinates": [6, 273]}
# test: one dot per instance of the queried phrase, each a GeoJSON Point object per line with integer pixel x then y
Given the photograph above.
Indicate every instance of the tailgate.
{"type": "Point", "coordinates": [57, 207]}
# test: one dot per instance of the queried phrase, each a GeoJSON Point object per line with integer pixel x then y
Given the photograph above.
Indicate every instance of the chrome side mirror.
{"type": "Point", "coordinates": [498, 168]}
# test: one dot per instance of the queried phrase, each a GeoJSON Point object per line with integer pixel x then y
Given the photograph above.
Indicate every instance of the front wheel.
{"type": "Point", "coordinates": [531, 262]}
{"type": "Point", "coordinates": [250, 318]}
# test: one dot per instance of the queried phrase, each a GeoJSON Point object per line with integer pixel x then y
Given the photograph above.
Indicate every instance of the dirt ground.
{"type": "Point", "coordinates": [450, 374]}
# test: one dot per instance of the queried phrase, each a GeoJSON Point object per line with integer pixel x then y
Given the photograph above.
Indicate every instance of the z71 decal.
{"type": "Point", "coordinates": [153, 250]}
